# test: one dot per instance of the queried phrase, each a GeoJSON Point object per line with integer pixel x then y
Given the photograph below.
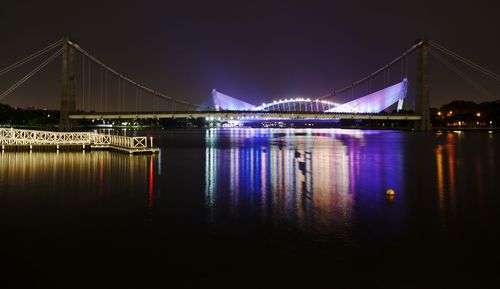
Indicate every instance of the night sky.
{"type": "Point", "coordinates": [253, 50]}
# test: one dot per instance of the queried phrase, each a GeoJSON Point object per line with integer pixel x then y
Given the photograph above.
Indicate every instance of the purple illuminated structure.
{"type": "Point", "coordinates": [377, 101]}
{"type": "Point", "coordinates": [372, 103]}
{"type": "Point", "coordinates": [222, 101]}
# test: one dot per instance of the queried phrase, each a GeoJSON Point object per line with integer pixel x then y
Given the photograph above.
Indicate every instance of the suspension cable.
{"type": "Point", "coordinates": [465, 60]}
{"type": "Point", "coordinates": [158, 94]}
{"type": "Point", "coordinates": [460, 73]}
{"type": "Point", "coordinates": [30, 57]}
{"type": "Point", "coordinates": [29, 75]}
{"type": "Point", "coordinates": [335, 92]}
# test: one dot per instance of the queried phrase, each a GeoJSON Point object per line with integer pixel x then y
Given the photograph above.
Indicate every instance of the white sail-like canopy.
{"type": "Point", "coordinates": [225, 102]}
{"type": "Point", "coordinates": [377, 101]}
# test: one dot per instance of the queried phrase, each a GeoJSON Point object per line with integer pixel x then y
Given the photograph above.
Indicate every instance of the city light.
{"type": "Point", "coordinates": [439, 113]}
{"type": "Point", "coordinates": [478, 114]}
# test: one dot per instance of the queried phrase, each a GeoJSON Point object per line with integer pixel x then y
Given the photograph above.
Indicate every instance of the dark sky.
{"type": "Point", "coordinates": [254, 50]}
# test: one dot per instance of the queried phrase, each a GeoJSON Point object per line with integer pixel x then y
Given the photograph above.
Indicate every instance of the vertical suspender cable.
{"type": "Point", "coordinates": [119, 96]}
{"type": "Point", "coordinates": [401, 76]}
{"type": "Point", "coordinates": [124, 108]}
{"type": "Point", "coordinates": [106, 92]}
{"type": "Point", "coordinates": [154, 102]}
{"type": "Point", "coordinates": [83, 82]}
{"type": "Point", "coordinates": [100, 90]}
{"type": "Point", "coordinates": [124, 98]}
{"type": "Point", "coordinates": [406, 66]}
{"type": "Point", "coordinates": [89, 91]}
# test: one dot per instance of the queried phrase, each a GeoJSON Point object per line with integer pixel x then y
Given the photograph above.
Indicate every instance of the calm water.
{"type": "Point", "coordinates": [257, 208]}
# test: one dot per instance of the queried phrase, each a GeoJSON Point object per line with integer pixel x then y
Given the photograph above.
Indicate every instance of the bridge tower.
{"type": "Point", "coordinates": [422, 87]}
{"type": "Point", "coordinates": [68, 87]}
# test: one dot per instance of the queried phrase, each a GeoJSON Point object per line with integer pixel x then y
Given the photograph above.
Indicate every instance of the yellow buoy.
{"type": "Point", "coordinates": [390, 192]}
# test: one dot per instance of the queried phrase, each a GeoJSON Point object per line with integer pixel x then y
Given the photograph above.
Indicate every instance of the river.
{"type": "Point", "coordinates": [257, 208]}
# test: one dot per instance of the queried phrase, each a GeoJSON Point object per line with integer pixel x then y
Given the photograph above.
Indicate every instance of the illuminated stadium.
{"type": "Point", "coordinates": [375, 102]}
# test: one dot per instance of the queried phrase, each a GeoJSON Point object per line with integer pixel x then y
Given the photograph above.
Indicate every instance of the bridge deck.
{"type": "Point", "coordinates": [244, 115]}
{"type": "Point", "coordinates": [11, 138]}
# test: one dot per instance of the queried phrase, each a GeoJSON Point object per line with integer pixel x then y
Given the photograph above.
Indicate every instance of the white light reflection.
{"type": "Point", "coordinates": [298, 175]}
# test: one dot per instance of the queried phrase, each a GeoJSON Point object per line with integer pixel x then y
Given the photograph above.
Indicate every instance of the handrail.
{"type": "Point", "coordinates": [12, 136]}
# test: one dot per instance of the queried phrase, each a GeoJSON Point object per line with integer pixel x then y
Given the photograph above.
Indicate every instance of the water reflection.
{"type": "Point", "coordinates": [83, 177]}
{"type": "Point", "coordinates": [446, 166]}
{"type": "Point", "coordinates": [306, 178]}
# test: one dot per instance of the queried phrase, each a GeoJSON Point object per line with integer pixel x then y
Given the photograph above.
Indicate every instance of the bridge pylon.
{"type": "Point", "coordinates": [68, 87]}
{"type": "Point", "coordinates": [422, 87]}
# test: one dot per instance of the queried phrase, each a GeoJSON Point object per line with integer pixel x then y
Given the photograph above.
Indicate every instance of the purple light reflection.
{"type": "Point", "coordinates": [310, 179]}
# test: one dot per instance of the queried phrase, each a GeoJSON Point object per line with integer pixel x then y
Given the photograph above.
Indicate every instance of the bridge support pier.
{"type": "Point", "coordinates": [422, 88]}
{"type": "Point", "coordinates": [68, 87]}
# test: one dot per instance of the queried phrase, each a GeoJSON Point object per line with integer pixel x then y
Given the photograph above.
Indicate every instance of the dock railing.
{"type": "Point", "coordinates": [11, 137]}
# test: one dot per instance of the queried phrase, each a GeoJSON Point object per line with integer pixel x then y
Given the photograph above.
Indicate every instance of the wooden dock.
{"type": "Point", "coordinates": [12, 139]}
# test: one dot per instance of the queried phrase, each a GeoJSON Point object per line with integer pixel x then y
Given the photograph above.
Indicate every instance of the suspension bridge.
{"type": "Point", "coordinates": [102, 92]}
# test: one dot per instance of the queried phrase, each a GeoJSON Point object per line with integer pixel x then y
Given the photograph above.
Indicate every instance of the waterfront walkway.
{"type": "Point", "coordinates": [23, 139]}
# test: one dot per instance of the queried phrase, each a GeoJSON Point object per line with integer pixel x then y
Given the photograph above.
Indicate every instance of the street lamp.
{"type": "Point", "coordinates": [478, 116]}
